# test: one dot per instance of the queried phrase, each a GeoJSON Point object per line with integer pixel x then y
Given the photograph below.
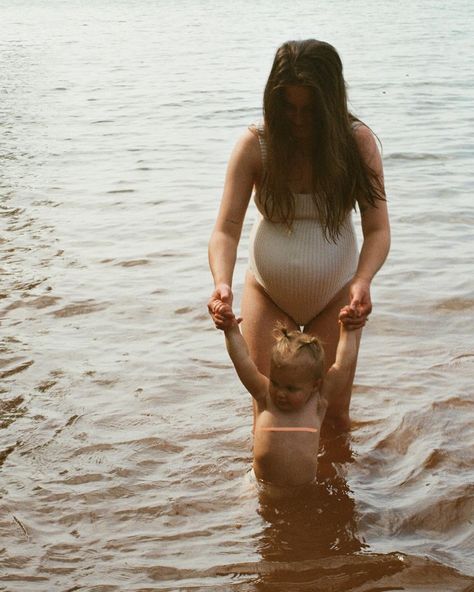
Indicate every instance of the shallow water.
{"type": "Point", "coordinates": [124, 434]}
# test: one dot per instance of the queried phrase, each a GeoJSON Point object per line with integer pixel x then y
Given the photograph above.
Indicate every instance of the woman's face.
{"type": "Point", "coordinates": [299, 109]}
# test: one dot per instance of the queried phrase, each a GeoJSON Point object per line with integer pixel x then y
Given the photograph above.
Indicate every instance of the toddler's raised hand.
{"type": "Point", "coordinates": [350, 319]}
{"type": "Point", "coordinates": [223, 315]}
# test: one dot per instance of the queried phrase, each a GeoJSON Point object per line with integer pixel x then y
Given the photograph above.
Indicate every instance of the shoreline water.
{"type": "Point", "coordinates": [124, 434]}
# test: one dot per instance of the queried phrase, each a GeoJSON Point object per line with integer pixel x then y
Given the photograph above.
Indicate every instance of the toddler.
{"type": "Point", "coordinates": [292, 401]}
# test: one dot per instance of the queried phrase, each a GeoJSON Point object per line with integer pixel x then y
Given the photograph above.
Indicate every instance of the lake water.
{"type": "Point", "coordinates": [125, 437]}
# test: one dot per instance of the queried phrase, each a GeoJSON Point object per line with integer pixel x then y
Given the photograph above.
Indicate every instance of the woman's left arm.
{"type": "Point", "coordinates": [375, 230]}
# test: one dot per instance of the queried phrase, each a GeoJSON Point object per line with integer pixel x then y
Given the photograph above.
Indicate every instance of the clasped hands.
{"type": "Point", "coordinates": [353, 316]}
{"type": "Point", "coordinates": [220, 307]}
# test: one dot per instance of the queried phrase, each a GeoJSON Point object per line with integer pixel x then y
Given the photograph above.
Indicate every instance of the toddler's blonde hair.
{"type": "Point", "coordinates": [291, 344]}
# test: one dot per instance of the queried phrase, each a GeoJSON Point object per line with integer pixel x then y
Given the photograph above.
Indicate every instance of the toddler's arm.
{"type": "Point", "coordinates": [346, 356]}
{"type": "Point", "coordinates": [255, 382]}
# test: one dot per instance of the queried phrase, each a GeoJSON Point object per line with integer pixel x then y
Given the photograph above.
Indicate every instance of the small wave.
{"type": "Point", "coordinates": [80, 308]}
{"type": "Point", "coordinates": [105, 381]}
{"type": "Point", "coordinates": [441, 514]}
{"type": "Point", "coordinates": [25, 286]}
{"type": "Point", "coordinates": [414, 156]}
{"type": "Point", "coordinates": [153, 445]}
{"type": "Point", "coordinates": [43, 301]}
{"type": "Point", "coordinates": [183, 310]}
{"type": "Point", "coordinates": [13, 366]}
{"type": "Point", "coordinates": [91, 449]}
{"type": "Point", "coordinates": [15, 212]}
{"type": "Point", "coordinates": [435, 459]}
{"type": "Point", "coordinates": [10, 410]}
{"type": "Point", "coordinates": [133, 262]}
{"type": "Point", "coordinates": [5, 453]}
{"type": "Point", "coordinates": [452, 402]}
{"type": "Point", "coordinates": [457, 362]}
{"type": "Point", "coordinates": [412, 427]}
{"type": "Point", "coordinates": [211, 363]}
{"type": "Point", "coordinates": [367, 572]}
{"type": "Point", "coordinates": [456, 304]}
{"type": "Point", "coordinates": [46, 385]}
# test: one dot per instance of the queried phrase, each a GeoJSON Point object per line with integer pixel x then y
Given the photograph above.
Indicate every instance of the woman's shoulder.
{"type": "Point", "coordinates": [248, 140]}
{"type": "Point", "coordinates": [369, 148]}
{"type": "Point", "coordinates": [252, 142]}
{"type": "Point", "coordinates": [247, 151]}
{"type": "Point", "coordinates": [364, 136]}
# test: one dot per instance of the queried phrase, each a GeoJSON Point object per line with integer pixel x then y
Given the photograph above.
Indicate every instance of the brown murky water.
{"type": "Point", "coordinates": [124, 434]}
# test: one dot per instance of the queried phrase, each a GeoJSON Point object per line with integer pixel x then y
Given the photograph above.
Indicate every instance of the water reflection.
{"type": "Point", "coordinates": [320, 521]}
{"type": "Point", "coordinates": [311, 542]}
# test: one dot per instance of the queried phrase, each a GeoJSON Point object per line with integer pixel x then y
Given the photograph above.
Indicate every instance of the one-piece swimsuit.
{"type": "Point", "coordinates": [300, 269]}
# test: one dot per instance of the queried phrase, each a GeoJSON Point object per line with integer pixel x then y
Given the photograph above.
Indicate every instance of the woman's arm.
{"type": "Point", "coordinates": [375, 229]}
{"type": "Point", "coordinates": [242, 172]}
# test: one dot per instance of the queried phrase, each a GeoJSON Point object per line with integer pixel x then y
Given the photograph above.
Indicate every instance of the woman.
{"type": "Point", "coordinates": [310, 164]}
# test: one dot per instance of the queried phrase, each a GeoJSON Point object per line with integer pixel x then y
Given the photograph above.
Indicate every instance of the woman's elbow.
{"type": "Point", "coordinates": [228, 233]}
{"type": "Point", "coordinates": [386, 237]}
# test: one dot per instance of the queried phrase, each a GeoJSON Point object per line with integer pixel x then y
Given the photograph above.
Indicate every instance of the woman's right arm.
{"type": "Point", "coordinates": [243, 172]}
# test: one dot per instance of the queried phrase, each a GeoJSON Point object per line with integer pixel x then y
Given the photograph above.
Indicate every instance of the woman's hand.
{"type": "Point", "coordinates": [221, 315]}
{"type": "Point", "coordinates": [360, 303]}
{"type": "Point", "coordinates": [349, 318]}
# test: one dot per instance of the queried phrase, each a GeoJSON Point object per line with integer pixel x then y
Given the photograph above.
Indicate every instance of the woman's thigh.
{"type": "Point", "coordinates": [259, 315]}
{"type": "Point", "coordinates": [326, 327]}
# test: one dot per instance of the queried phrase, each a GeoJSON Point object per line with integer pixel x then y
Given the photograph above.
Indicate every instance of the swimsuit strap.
{"type": "Point", "coordinates": [258, 130]}
{"type": "Point", "coordinates": [287, 429]}
{"type": "Point", "coordinates": [263, 144]}
{"type": "Point", "coordinates": [355, 124]}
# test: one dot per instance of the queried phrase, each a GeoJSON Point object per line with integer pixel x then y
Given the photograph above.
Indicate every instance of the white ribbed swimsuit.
{"type": "Point", "coordinates": [300, 270]}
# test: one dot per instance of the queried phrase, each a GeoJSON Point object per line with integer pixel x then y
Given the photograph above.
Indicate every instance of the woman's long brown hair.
{"type": "Point", "coordinates": [339, 174]}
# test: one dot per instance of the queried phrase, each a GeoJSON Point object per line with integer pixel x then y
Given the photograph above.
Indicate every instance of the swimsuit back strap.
{"type": "Point", "coordinates": [287, 429]}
